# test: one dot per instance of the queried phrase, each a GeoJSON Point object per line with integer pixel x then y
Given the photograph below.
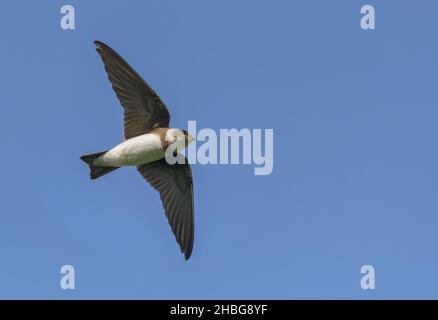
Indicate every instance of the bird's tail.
{"type": "Point", "coordinates": [96, 171]}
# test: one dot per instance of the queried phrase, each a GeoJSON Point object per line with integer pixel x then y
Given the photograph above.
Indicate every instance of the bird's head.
{"type": "Point", "coordinates": [188, 137]}
{"type": "Point", "coordinates": [181, 137]}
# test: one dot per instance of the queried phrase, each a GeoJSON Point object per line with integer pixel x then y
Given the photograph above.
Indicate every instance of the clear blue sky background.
{"type": "Point", "coordinates": [355, 173]}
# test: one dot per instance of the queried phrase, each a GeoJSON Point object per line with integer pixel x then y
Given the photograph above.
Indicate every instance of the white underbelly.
{"type": "Point", "coordinates": [133, 152]}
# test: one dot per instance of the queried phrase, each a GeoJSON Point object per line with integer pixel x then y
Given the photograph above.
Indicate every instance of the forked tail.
{"type": "Point", "coordinates": [96, 171]}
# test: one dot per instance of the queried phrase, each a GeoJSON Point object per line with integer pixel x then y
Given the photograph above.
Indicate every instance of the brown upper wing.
{"type": "Point", "coordinates": [143, 108]}
{"type": "Point", "coordinates": [175, 185]}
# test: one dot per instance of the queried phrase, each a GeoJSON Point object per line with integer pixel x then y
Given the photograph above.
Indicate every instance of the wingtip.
{"type": "Point", "coordinates": [98, 44]}
{"type": "Point", "coordinates": [187, 254]}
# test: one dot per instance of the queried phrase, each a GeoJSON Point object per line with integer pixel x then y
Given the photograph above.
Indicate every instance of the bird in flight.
{"type": "Point", "coordinates": [147, 137]}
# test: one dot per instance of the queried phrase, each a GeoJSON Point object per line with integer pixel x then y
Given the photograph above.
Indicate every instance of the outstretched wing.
{"type": "Point", "coordinates": [175, 185]}
{"type": "Point", "coordinates": [143, 108]}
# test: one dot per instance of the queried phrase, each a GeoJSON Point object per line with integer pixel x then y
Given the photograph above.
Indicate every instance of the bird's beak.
{"type": "Point", "coordinates": [190, 138]}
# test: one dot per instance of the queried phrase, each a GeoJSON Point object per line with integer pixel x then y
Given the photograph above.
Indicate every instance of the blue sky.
{"type": "Point", "coordinates": [355, 160]}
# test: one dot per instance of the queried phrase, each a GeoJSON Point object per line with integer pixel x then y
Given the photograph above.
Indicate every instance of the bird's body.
{"type": "Point", "coordinates": [133, 152]}
{"type": "Point", "coordinates": [147, 137]}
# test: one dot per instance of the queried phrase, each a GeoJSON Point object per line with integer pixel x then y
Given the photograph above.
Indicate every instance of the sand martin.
{"type": "Point", "coordinates": [147, 137]}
